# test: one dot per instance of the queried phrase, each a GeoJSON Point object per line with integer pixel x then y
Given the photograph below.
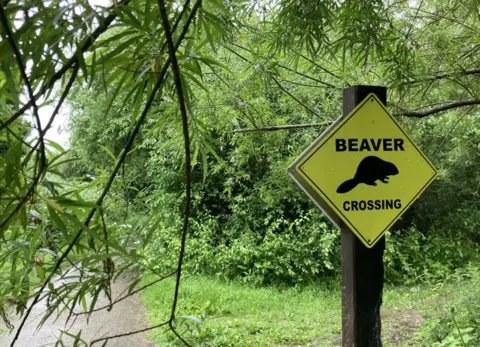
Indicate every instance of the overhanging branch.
{"type": "Point", "coordinates": [402, 113]}
{"type": "Point", "coordinates": [441, 108]}
{"type": "Point", "coordinates": [280, 127]}
{"type": "Point", "coordinates": [188, 167]}
{"type": "Point", "coordinates": [447, 75]}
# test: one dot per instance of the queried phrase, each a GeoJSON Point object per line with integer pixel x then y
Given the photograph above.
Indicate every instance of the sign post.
{"type": "Point", "coordinates": [363, 172]}
{"type": "Point", "coordinates": [362, 268]}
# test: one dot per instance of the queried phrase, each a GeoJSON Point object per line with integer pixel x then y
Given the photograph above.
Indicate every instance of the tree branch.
{"type": "Point", "coordinates": [318, 65]}
{"type": "Point", "coordinates": [280, 127]}
{"type": "Point", "coordinates": [32, 149]}
{"type": "Point", "coordinates": [294, 97]}
{"type": "Point", "coordinates": [281, 65]}
{"type": "Point", "coordinates": [402, 113]}
{"type": "Point", "coordinates": [116, 301]}
{"type": "Point", "coordinates": [88, 42]}
{"type": "Point", "coordinates": [188, 167]}
{"type": "Point", "coordinates": [434, 110]}
{"type": "Point", "coordinates": [128, 334]}
{"type": "Point", "coordinates": [447, 75]}
{"type": "Point", "coordinates": [300, 84]}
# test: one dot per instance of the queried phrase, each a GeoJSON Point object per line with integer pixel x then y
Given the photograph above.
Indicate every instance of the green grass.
{"type": "Point", "coordinates": [217, 313]}
{"type": "Point", "coordinates": [239, 315]}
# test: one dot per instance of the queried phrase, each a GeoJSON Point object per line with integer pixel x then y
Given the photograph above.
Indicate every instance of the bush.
{"type": "Point", "coordinates": [459, 323]}
{"type": "Point", "coordinates": [298, 251]}
{"type": "Point", "coordinates": [287, 253]}
{"type": "Point", "coordinates": [412, 257]}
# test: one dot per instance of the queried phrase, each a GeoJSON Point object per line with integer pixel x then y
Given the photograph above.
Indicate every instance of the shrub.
{"type": "Point", "coordinates": [459, 323]}
{"type": "Point", "coordinates": [412, 257]}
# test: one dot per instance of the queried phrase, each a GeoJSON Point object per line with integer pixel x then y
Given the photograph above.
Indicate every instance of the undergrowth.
{"type": "Point", "coordinates": [456, 321]}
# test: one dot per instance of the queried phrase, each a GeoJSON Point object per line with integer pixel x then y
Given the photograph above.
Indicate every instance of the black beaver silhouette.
{"type": "Point", "coordinates": [369, 170]}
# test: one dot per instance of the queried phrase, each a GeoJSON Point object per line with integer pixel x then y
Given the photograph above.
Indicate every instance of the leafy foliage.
{"type": "Point", "coordinates": [457, 323]}
{"type": "Point", "coordinates": [114, 201]}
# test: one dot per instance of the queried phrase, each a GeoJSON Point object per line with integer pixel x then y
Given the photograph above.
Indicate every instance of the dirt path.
{"type": "Point", "coordinates": [126, 316]}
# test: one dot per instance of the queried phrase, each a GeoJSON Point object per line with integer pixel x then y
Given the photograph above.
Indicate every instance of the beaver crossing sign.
{"type": "Point", "coordinates": [364, 171]}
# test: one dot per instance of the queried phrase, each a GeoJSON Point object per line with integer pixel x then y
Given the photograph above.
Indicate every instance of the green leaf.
{"type": "Point", "coordinates": [209, 35]}
{"type": "Point", "coordinates": [109, 152]}
{"type": "Point", "coordinates": [55, 145]}
{"type": "Point", "coordinates": [131, 286]}
{"type": "Point", "coordinates": [81, 62]}
{"type": "Point", "coordinates": [52, 204]}
{"type": "Point", "coordinates": [195, 155]}
{"type": "Point", "coordinates": [63, 201]}
{"type": "Point", "coordinates": [210, 61]}
{"type": "Point", "coordinates": [45, 250]}
{"type": "Point", "coordinates": [57, 221]}
{"type": "Point", "coordinates": [132, 20]}
{"type": "Point", "coordinates": [210, 149]}
{"type": "Point", "coordinates": [195, 80]}
{"type": "Point", "coordinates": [205, 166]}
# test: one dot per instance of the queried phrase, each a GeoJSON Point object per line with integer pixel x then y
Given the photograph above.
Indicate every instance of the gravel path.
{"type": "Point", "coordinates": [126, 316]}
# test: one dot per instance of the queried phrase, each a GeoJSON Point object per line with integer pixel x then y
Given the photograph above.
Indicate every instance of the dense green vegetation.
{"type": "Point", "coordinates": [182, 120]}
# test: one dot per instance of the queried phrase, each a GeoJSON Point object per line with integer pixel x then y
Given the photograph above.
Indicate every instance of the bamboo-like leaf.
{"type": "Point", "coordinates": [131, 286]}
{"type": "Point", "coordinates": [208, 34]}
{"type": "Point", "coordinates": [53, 204]}
{"type": "Point", "coordinates": [131, 19]}
{"type": "Point", "coordinates": [81, 62]}
{"type": "Point", "coordinates": [205, 166]}
{"type": "Point", "coordinates": [195, 80]}
{"type": "Point", "coordinates": [63, 201]}
{"type": "Point", "coordinates": [209, 148]}
{"type": "Point", "coordinates": [57, 221]}
{"type": "Point", "coordinates": [210, 61]}
{"type": "Point", "coordinates": [195, 155]}
{"type": "Point", "coordinates": [55, 145]}
{"type": "Point", "coordinates": [109, 152]}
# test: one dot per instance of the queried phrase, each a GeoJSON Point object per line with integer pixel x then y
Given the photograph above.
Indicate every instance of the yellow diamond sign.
{"type": "Point", "coordinates": [364, 171]}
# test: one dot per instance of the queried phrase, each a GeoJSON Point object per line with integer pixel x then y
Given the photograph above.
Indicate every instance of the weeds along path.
{"type": "Point", "coordinates": [127, 315]}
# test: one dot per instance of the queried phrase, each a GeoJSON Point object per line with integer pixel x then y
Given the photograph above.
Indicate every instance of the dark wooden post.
{"type": "Point", "coordinates": [362, 267]}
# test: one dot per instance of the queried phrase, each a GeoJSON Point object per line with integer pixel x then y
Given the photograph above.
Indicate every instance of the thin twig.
{"type": "Point", "coordinates": [116, 301]}
{"type": "Point", "coordinates": [280, 65]}
{"type": "Point", "coordinates": [439, 147]}
{"type": "Point", "coordinates": [108, 265]}
{"type": "Point", "coordinates": [39, 174]}
{"type": "Point", "coordinates": [444, 107]}
{"type": "Point", "coordinates": [98, 203]}
{"type": "Point", "coordinates": [128, 334]}
{"type": "Point", "coordinates": [412, 22]}
{"type": "Point", "coordinates": [404, 113]}
{"type": "Point", "coordinates": [280, 127]}
{"type": "Point", "coordinates": [475, 71]}
{"type": "Point", "coordinates": [17, 137]}
{"type": "Point", "coordinates": [318, 65]}
{"type": "Point", "coordinates": [174, 330]}
{"type": "Point", "coordinates": [188, 167]}
{"type": "Point", "coordinates": [300, 84]}
{"type": "Point", "coordinates": [87, 43]}
{"type": "Point", "coordinates": [22, 202]}
{"type": "Point", "coordinates": [294, 97]}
